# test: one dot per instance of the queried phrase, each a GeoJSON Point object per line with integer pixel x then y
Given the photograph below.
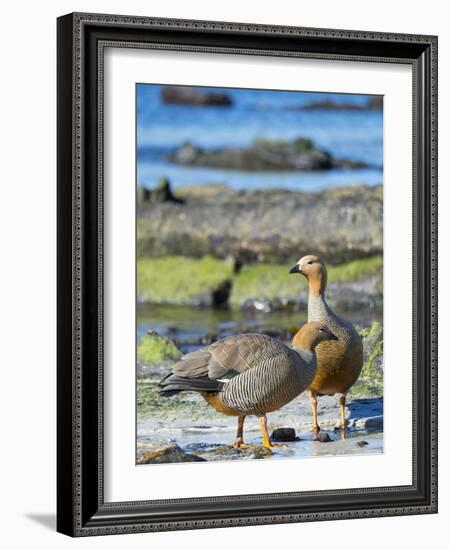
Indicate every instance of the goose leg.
{"type": "Point", "coordinates": [266, 441]}
{"type": "Point", "coordinates": [342, 412]}
{"type": "Point", "coordinates": [313, 400]}
{"type": "Point", "coordinates": [239, 440]}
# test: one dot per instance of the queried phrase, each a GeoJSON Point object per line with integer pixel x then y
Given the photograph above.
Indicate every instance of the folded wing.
{"type": "Point", "coordinates": [206, 369]}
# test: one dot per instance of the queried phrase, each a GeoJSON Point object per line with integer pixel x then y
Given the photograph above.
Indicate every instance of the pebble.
{"type": "Point", "coordinates": [322, 437]}
{"type": "Point", "coordinates": [284, 434]}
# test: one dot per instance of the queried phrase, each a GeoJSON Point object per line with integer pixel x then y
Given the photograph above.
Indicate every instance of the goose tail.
{"type": "Point", "coordinates": [172, 385]}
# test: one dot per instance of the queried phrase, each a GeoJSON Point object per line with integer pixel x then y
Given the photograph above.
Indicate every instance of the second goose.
{"type": "Point", "coordinates": [249, 374]}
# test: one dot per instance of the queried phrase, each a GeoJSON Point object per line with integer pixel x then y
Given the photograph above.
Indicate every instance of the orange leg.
{"type": "Point", "coordinates": [313, 400]}
{"type": "Point", "coordinates": [239, 440]}
{"type": "Point", "coordinates": [266, 441]}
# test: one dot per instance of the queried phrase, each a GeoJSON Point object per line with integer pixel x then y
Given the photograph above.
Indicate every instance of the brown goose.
{"type": "Point", "coordinates": [339, 362]}
{"type": "Point", "coordinates": [249, 374]}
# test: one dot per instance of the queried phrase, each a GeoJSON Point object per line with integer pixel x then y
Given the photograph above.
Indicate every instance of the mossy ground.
{"type": "Point", "coordinates": [154, 350]}
{"type": "Point", "coordinates": [273, 281]}
{"type": "Point", "coordinates": [370, 381]}
{"type": "Point", "coordinates": [178, 280]}
{"type": "Point", "coordinates": [182, 405]}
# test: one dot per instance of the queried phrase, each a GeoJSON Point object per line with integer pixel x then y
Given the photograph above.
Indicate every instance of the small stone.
{"type": "Point", "coordinates": [284, 434]}
{"type": "Point", "coordinates": [322, 437]}
{"type": "Point", "coordinates": [362, 443]}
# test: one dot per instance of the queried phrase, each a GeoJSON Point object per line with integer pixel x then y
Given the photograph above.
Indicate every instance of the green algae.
{"type": "Point", "coordinates": [156, 350]}
{"type": "Point", "coordinates": [179, 280]}
{"type": "Point", "coordinates": [370, 381]}
{"type": "Point", "coordinates": [273, 281]}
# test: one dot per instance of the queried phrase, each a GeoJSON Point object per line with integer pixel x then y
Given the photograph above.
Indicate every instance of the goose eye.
{"type": "Point", "coordinates": [310, 262]}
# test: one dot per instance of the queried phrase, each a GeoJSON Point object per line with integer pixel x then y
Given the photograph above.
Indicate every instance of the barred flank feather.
{"type": "Point", "coordinates": [251, 373]}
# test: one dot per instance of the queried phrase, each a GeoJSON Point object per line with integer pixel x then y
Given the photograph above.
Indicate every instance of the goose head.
{"type": "Point", "coordinates": [314, 270]}
{"type": "Point", "coordinates": [311, 334]}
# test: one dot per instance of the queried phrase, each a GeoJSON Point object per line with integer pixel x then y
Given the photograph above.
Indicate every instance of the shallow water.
{"type": "Point", "coordinates": [356, 442]}
{"type": "Point", "coordinates": [188, 326]}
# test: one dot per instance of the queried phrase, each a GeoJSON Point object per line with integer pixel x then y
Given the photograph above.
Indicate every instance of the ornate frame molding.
{"type": "Point", "coordinates": [81, 41]}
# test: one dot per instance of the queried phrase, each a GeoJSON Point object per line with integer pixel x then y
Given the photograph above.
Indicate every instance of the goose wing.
{"type": "Point", "coordinates": [229, 357]}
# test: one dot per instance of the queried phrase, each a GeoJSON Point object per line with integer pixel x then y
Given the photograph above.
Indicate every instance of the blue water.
{"type": "Point", "coordinates": [354, 135]}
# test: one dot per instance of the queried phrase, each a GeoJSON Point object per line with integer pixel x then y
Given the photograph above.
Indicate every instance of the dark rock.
{"type": "Point", "coordinates": [215, 297]}
{"type": "Point", "coordinates": [322, 437]}
{"type": "Point", "coordinates": [299, 154]}
{"type": "Point", "coordinates": [330, 105]}
{"type": "Point", "coordinates": [284, 434]}
{"type": "Point", "coordinates": [362, 443]}
{"type": "Point", "coordinates": [376, 102]}
{"type": "Point", "coordinates": [143, 195]}
{"type": "Point", "coordinates": [163, 452]}
{"type": "Point", "coordinates": [189, 95]}
{"type": "Point", "coordinates": [221, 294]}
{"type": "Point", "coordinates": [373, 103]}
{"type": "Point", "coordinates": [163, 193]}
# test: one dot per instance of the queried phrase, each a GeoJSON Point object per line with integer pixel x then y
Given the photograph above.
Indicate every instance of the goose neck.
{"type": "Point", "coordinates": [317, 307]}
{"type": "Point", "coordinates": [317, 284]}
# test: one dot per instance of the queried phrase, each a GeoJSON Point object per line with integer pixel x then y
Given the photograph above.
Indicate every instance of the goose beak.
{"type": "Point", "coordinates": [295, 269]}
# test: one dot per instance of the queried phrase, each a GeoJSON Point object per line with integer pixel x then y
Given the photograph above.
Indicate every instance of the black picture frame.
{"type": "Point", "coordinates": [81, 509]}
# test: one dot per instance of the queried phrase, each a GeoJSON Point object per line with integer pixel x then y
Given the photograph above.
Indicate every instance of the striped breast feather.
{"type": "Point", "coordinates": [268, 386]}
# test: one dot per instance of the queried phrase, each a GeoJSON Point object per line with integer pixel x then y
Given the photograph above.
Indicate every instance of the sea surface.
{"type": "Point", "coordinates": [354, 135]}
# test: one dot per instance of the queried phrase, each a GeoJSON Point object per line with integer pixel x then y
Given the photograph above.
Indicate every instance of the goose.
{"type": "Point", "coordinates": [249, 374]}
{"type": "Point", "coordinates": [339, 362]}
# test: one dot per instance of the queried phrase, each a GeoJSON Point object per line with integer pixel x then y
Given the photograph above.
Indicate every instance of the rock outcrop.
{"type": "Point", "coordinates": [300, 154]}
{"type": "Point", "coordinates": [341, 224]}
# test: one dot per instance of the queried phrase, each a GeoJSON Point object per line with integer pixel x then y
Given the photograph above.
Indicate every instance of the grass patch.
{"type": "Point", "coordinates": [355, 270]}
{"type": "Point", "coordinates": [178, 280]}
{"type": "Point", "coordinates": [371, 380]}
{"type": "Point", "coordinates": [273, 281]}
{"type": "Point", "coordinates": [154, 350]}
{"type": "Point", "coordinates": [267, 281]}
{"type": "Point", "coordinates": [168, 409]}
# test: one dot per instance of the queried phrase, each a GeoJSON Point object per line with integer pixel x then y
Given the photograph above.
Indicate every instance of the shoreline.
{"type": "Point", "coordinates": [264, 225]}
